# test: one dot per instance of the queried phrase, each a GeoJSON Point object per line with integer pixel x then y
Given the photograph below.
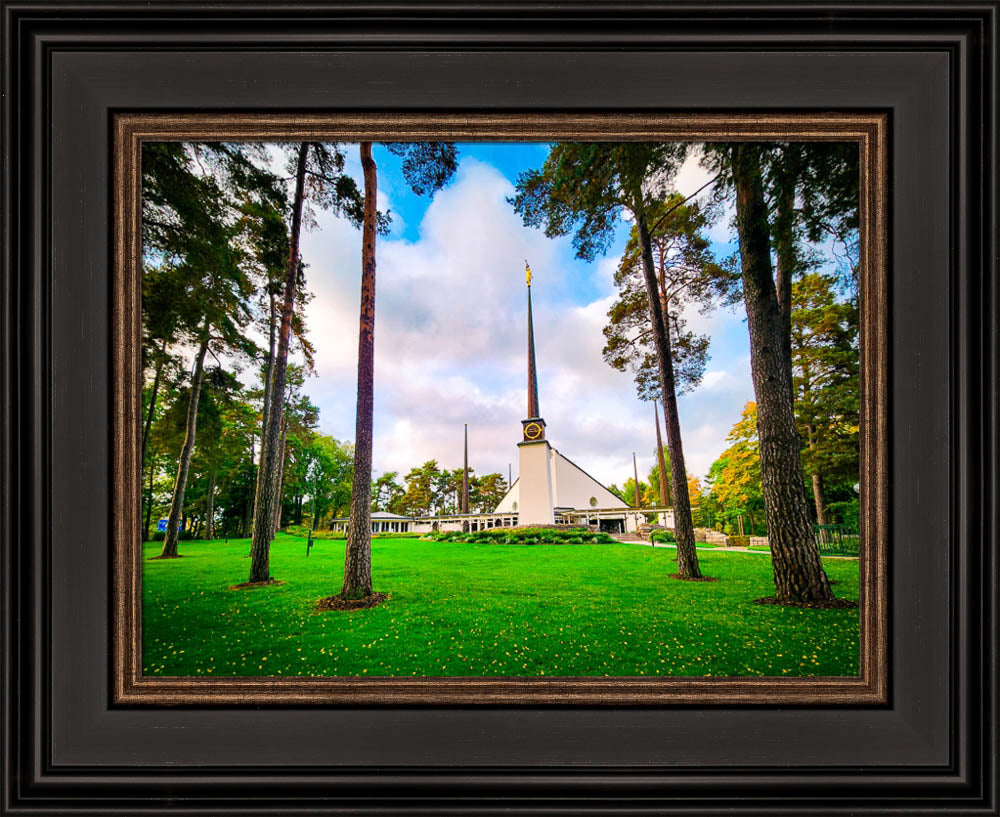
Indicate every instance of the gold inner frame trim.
{"type": "Point", "coordinates": [868, 130]}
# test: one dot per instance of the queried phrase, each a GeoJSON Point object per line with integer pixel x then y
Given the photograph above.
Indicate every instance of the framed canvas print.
{"type": "Point", "coordinates": [444, 410]}
{"type": "Point", "coordinates": [503, 625]}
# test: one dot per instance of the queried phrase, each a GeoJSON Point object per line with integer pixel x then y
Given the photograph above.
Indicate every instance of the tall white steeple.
{"type": "Point", "coordinates": [535, 470]}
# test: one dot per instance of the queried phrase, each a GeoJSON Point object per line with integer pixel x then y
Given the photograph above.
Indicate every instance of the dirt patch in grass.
{"type": "Point", "coordinates": [155, 558]}
{"type": "Point", "coordinates": [681, 578]}
{"type": "Point", "coordinates": [833, 604]}
{"type": "Point", "coordinates": [340, 603]}
{"type": "Point", "coordinates": [255, 585]}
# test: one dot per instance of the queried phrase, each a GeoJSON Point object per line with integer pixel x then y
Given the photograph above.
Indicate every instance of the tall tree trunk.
{"type": "Point", "coordinates": [817, 482]}
{"type": "Point", "coordinates": [660, 461]}
{"type": "Point", "coordinates": [267, 486]}
{"type": "Point", "coordinates": [666, 319]}
{"type": "Point", "coordinates": [152, 397]}
{"type": "Point", "coordinates": [687, 556]}
{"type": "Point", "coordinates": [817, 485]}
{"type": "Point", "coordinates": [358, 559]}
{"type": "Point", "coordinates": [280, 478]}
{"type": "Point", "coordinates": [268, 384]}
{"type": "Point", "coordinates": [171, 536]}
{"type": "Point", "coordinates": [787, 259]}
{"type": "Point", "coordinates": [246, 529]}
{"type": "Point", "coordinates": [670, 490]}
{"type": "Point", "coordinates": [149, 503]}
{"type": "Point", "coordinates": [798, 571]}
{"type": "Point", "coordinates": [210, 506]}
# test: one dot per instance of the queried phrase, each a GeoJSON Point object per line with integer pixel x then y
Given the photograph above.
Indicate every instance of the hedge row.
{"type": "Point", "coordinates": [303, 532]}
{"type": "Point", "coordinates": [663, 536]}
{"type": "Point", "coordinates": [526, 536]}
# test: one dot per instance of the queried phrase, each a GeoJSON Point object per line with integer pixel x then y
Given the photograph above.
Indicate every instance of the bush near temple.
{"type": "Point", "coordinates": [527, 536]}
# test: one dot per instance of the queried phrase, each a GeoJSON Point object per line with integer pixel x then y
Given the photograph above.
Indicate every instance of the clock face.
{"type": "Point", "coordinates": [532, 431]}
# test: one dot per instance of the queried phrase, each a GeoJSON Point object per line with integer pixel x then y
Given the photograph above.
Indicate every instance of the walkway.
{"type": "Point", "coordinates": [714, 549]}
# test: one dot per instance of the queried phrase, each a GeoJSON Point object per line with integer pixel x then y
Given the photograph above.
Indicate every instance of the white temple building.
{"type": "Point", "coordinates": [551, 489]}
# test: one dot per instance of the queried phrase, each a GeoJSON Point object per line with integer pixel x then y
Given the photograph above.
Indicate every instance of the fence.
{"type": "Point", "coordinates": [839, 539]}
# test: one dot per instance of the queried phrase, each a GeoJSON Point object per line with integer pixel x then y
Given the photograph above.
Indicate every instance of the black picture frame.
{"type": "Point", "coordinates": [70, 66]}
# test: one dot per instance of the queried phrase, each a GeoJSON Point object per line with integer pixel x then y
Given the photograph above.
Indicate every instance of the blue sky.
{"type": "Point", "coordinates": [451, 331]}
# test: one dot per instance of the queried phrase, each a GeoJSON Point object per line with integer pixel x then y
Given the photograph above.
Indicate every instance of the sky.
{"type": "Point", "coordinates": [451, 331]}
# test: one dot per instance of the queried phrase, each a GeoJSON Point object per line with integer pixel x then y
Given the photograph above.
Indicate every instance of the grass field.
{"type": "Point", "coordinates": [465, 609]}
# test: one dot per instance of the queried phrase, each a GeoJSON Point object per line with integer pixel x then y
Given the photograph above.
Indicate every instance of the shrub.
{"type": "Point", "coordinates": [524, 536]}
{"type": "Point", "coordinates": [183, 536]}
{"type": "Point", "coordinates": [663, 536]}
{"type": "Point", "coordinates": [302, 531]}
{"type": "Point", "coordinates": [845, 513]}
{"type": "Point", "coordinates": [739, 541]}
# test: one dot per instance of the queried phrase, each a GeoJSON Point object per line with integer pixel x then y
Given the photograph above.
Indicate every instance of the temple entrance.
{"type": "Point", "coordinates": [612, 525]}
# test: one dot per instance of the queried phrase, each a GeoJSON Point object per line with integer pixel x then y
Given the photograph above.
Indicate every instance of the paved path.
{"type": "Point", "coordinates": [717, 549]}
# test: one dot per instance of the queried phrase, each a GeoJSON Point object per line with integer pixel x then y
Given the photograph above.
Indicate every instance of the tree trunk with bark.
{"type": "Point", "coordinates": [152, 397]}
{"type": "Point", "coordinates": [660, 461]}
{"type": "Point", "coordinates": [246, 529]}
{"type": "Point", "coordinates": [798, 571]}
{"type": "Point", "coordinates": [687, 556]}
{"type": "Point", "coordinates": [267, 484]}
{"type": "Point", "coordinates": [268, 370]}
{"type": "Point", "coordinates": [822, 518]}
{"type": "Point", "coordinates": [171, 537]}
{"type": "Point", "coordinates": [280, 478]}
{"type": "Point", "coordinates": [358, 559]}
{"type": "Point", "coordinates": [149, 504]}
{"type": "Point", "coordinates": [785, 255]}
{"type": "Point", "coordinates": [210, 506]}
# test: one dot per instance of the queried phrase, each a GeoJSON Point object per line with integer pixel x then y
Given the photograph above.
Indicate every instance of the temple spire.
{"type": "Point", "coordinates": [532, 372]}
{"type": "Point", "coordinates": [533, 427]}
{"type": "Point", "coordinates": [465, 475]}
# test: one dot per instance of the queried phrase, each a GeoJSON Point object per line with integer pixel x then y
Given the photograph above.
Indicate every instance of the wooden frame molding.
{"type": "Point", "coordinates": [868, 130]}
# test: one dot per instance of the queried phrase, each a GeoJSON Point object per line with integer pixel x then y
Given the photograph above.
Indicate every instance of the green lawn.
{"type": "Point", "coordinates": [464, 609]}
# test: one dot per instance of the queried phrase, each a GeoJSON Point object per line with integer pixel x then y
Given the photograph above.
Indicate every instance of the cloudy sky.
{"type": "Point", "coordinates": [451, 327]}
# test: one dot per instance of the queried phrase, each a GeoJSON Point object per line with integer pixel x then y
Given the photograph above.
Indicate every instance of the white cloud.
{"type": "Point", "coordinates": [712, 379]}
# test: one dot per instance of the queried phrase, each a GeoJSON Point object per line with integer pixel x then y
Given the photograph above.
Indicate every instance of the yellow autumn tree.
{"type": "Point", "coordinates": [735, 476]}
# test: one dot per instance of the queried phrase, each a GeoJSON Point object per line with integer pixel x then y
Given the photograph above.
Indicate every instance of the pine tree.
{"type": "Point", "coordinates": [585, 189]}
{"type": "Point", "coordinates": [825, 369]}
{"type": "Point", "coordinates": [318, 171]}
{"type": "Point", "coordinates": [798, 571]}
{"type": "Point", "coordinates": [426, 167]}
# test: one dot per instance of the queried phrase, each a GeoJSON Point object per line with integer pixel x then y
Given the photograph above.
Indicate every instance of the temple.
{"type": "Point", "coordinates": [551, 489]}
